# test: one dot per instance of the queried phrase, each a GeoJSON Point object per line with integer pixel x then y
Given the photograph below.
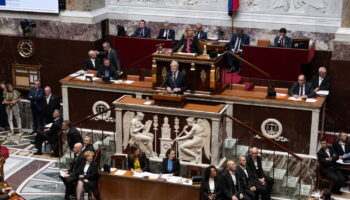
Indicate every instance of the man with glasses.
{"type": "Point", "coordinates": [301, 89]}
{"type": "Point", "coordinates": [321, 81]}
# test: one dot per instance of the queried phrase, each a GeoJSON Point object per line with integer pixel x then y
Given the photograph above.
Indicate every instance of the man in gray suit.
{"type": "Point", "coordinates": [112, 55]}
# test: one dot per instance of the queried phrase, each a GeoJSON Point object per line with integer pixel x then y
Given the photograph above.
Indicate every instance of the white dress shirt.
{"type": "Point", "coordinates": [48, 98]}
{"type": "Point", "coordinates": [327, 151]}
{"type": "Point", "coordinates": [342, 144]}
{"type": "Point", "coordinates": [166, 34]}
{"type": "Point", "coordinates": [255, 163]}
{"type": "Point", "coordinates": [87, 165]}
{"type": "Point", "coordinates": [320, 81]}
{"type": "Point", "coordinates": [233, 178]}
{"type": "Point", "coordinates": [245, 171]}
{"type": "Point", "coordinates": [238, 44]}
{"type": "Point", "coordinates": [93, 62]}
{"type": "Point", "coordinates": [212, 185]}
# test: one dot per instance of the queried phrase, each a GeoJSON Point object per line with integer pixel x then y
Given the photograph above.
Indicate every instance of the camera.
{"type": "Point", "coordinates": [27, 26]}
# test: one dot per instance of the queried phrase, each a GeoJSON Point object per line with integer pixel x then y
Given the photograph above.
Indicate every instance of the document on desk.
{"type": "Point", "coordinates": [323, 92]}
{"type": "Point", "coordinates": [128, 82]}
{"type": "Point", "coordinates": [117, 81]}
{"type": "Point", "coordinates": [48, 125]}
{"type": "Point", "coordinates": [174, 179]}
{"type": "Point", "coordinates": [74, 74]}
{"type": "Point", "coordinates": [120, 172]}
{"type": "Point", "coordinates": [281, 94]}
{"type": "Point", "coordinates": [151, 175]}
{"type": "Point", "coordinates": [294, 99]}
{"type": "Point", "coordinates": [138, 174]}
{"type": "Point", "coordinates": [311, 100]}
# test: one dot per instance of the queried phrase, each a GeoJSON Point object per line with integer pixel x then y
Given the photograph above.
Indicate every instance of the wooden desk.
{"type": "Point", "coordinates": [216, 46]}
{"type": "Point", "coordinates": [124, 187]}
{"type": "Point", "coordinates": [14, 197]}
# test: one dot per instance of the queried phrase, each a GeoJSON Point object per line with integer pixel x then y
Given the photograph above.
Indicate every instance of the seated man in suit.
{"type": "Point", "coordinates": [112, 56]}
{"type": "Point", "coordinates": [107, 71]}
{"type": "Point", "coordinates": [68, 180]}
{"type": "Point", "coordinates": [88, 146]}
{"type": "Point", "coordinates": [327, 158]}
{"type": "Point", "coordinates": [249, 182]}
{"type": "Point", "coordinates": [137, 160]}
{"type": "Point", "coordinates": [301, 89]}
{"type": "Point", "coordinates": [321, 81]}
{"type": "Point", "coordinates": [188, 42]}
{"type": "Point", "coordinates": [342, 146]}
{"type": "Point", "coordinates": [255, 165]}
{"type": "Point", "coordinates": [73, 135]}
{"type": "Point", "coordinates": [282, 40]}
{"type": "Point", "coordinates": [52, 103]}
{"type": "Point", "coordinates": [49, 134]}
{"type": "Point", "coordinates": [199, 33]}
{"type": "Point", "coordinates": [236, 45]}
{"type": "Point", "coordinates": [166, 33]}
{"type": "Point", "coordinates": [142, 31]}
{"type": "Point", "coordinates": [175, 80]}
{"type": "Point", "coordinates": [233, 189]}
{"type": "Point", "coordinates": [92, 63]}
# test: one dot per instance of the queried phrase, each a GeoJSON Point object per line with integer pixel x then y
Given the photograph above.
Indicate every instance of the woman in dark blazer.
{"type": "Point", "coordinates": [88, 176]}
{"type": "Point", "coordinates": [188, 43]}
{"type": "Point", "coordinates": [137, 160]}
{"type": "Point", "coordinates": [211, 187]}
{"type": "Point", "coordinates": [170, 164]}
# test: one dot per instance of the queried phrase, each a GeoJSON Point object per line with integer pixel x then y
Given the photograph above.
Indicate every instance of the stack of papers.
{"type": "Point", "coordinates": [120, 172]}
{"type": "Point", "coordinates": [148, 103]}
{"type": "Point", "coordinates": [48, 125]}
{"type": "Point", "coordinates": [174, 179]}
{"type": "Point", "coordinates": [128, 82]}
{"type": "Point", "coordinates": [294, 99]}
{"type": "Point", "coordinates": [83, 78]}
{"type": "Point", "coordinates": [74, 74]}
{"type": "Point", "coordinates": [281, 94]}
{"type": "Point", "coordinates": [117, 81]}
{"type": "Point", "coordinates": [311, 100]}
{"type": "Point", "coordinates": [323, 92]}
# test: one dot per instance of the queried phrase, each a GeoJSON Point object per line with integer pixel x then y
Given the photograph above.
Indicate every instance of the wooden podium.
{"type": "Point", "coordinates": [169, 100]}
{"type": "Point", "coordinates": [203, 74]}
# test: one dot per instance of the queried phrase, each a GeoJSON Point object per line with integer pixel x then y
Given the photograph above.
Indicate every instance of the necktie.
{"type": "Point", "coordinates": [199, 35]}
{"type": "Point", "coordinates": [301, 91]}
{"type": "Point", "coordinates": [166, 34]}
{"type": "Point", "coordinates": [238, 44]}
{"type": "Point", "coordinates": [282, 42]}
{"type": "Point", "coordinates": [143, 32]}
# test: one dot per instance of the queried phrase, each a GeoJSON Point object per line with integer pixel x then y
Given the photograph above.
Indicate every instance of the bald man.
{"type": "Point", "coordinates": [233, 189]}
{"type": "Point", "coordinates": [199, 33]}
{"type": "Point", "coordinates": [321, 81]}
{"type": "Point", "coordinates": [92, 63]}
{"type": "Point", "coordinates": [301, 89]}
{"type": "Point", "coordinates": [255, 165]}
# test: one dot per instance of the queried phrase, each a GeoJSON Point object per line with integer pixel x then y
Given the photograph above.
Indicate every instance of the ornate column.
{"type": "Point", "coordinates": [342, 37]}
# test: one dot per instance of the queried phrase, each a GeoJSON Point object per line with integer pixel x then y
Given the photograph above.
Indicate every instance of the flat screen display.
{"type": "Point", "coordinates": [41, 6]}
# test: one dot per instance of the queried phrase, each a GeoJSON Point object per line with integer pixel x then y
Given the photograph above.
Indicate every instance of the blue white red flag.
{"type": "Point", "coordinates": [233, 5]}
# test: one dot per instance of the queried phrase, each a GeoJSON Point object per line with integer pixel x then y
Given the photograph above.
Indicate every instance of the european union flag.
{"type": "Point", "coordinates": [2, 2]}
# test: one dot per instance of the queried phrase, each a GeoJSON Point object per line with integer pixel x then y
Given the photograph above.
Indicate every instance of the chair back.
{"type": "Point", "coordinates": [260, 88]}
{"type": "Point", "coordinates": [119, 161]}
{"type": "Point", "coordinates": [193, 170]}
{"type": "Point", "coordinates": [282, 90]}
{"type": "Point", "coordinates": [133, 77]}
{"type": "Point", "coordinates": [238, 86]}
{"type": "Point", "coordinates": [147, 79]}
{"type": "Point", "coordinates": [263, 43]}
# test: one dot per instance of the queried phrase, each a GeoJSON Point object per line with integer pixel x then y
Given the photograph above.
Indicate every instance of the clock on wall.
{"type": "Point", "coordinates": [25, 48]}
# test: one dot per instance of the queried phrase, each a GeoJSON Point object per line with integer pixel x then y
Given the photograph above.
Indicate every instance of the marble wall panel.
{"type": "Point", "coordinates": [341, 51]}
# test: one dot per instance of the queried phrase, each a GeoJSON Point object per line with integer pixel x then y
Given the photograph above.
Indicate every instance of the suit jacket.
{"type": "Point", "coordinates": [194, 45]}
{"type": "Point", "coordinates": [91, 173]}
{"type": "Point", "coordinates": [144, 163]}
{"type": "Point", "coordinates": [325, 84]}
{"type": "Point", "coordinates": [170, 36]}
{"type": "Point", "coordinates": [53, 104]}
{"type": "Point", "coordinates": [245, 181]}
{"type": "Point", "coordinates": [219, 189]}
{"type": "Point", "coordinates": [231, 189]}
{"type": "Point", "coordinates": [73, 137]}
{"type": "Point", "coordinates": [176, 167]}
{"type": "Point", "coordinates": [294, 90]}
{"type": "Point", "coordinates": [146, 33]}
{"type": "Point", "coordinates": [259, 173]}
{"type": "Point", "coordinates": [120, 30]}
{"type": "Point", "coordinates": [327, 165]}
{"type": "Point", "coordinates": [55, 128]}
{"type": "Point", "coordinates": [89, 66]}
{"type": "Point", "coordinates": [113, 74]}
{"type": "Point", "coordinates": [76, 163]}
{"type": "Point", "coordinates": [36, 97]}
{"type": "Point", "coordinates": [245, 40]}
{"type": "Point", "coordinates": [90, 147]}
{"type": "Point", "coordinates": [339, 150]}
{"type": "Point", "coordinates": [202, 35]}
{"type": "Point", "coordinates": [287, 42]}
{"type": "Point", "coordinates": [113, 57]}
{"type": "Point", "coordinates": [180, 81]}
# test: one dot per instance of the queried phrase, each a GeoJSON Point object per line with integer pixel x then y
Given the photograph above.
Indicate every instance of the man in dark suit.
{"type": "Point", "coordinates": [112, 56]}
{"type": "Point", "coordinates": [236, 45]}
{"type": "Point", "coordinates": [50, 134]}
{"type": "Point", "coordinates": [255, 165]}
{"type": "Point", "coordinates": [107, 71]}
{"type": "Point", "coordinates": [36, 97]}
{"type": "Point", "coordinates": [233, 189]}
{"type": "Point", "coordinates": [321, 81]}
{"type": "Point", "coordinates": [142, 31]}
{"type": "Point", "coordinates": [249, 182]}
{"type": "Point", "coordinates": [166, 33]}
{"type": "Point", "coordinates": [88, 146]}
{"type": "Point", "coordinates": [73, 135]}
{"type": "Point", "coordinates": [327, 158]}
{"type": "Point", "coordinates": [52, 103]}
{"type": "Point", "coordinates": [69, 181]}
{"type": "Point", "coordinates": [120, 30]}
{"type": "Point", "coordinates": [175, 80]}
{"type": "Point", "coordinates": [301, 89]}
{"type": "Point", "coordinates": [282, 40]}
{"type": "Point", "coordinates": [92, 63]}
{"type": "Point", "coordinates": [342, 146]}
{"type": "Point", "coordinates": [199, 33]}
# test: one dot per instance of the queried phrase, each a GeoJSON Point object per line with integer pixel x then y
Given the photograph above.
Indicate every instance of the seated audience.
{"type": "Point", "coordinates": [11, 99]}
{"type": "Point", "coordinates": [52, 103]}
{"type": "Point", "coordinates": [321, 81]}
{"type": "Point", "coordinates": [211, 186]}
{"type": "Point", "coordinates": [88, 146]}
{"type": "Point", "coordinates": [301, 89]}
{"type": "Point", "coordinates": [166, 33]}
{"type": "Point", "coordinates": [170, 164]}
{"type": "Point", "coordinates": [255, 165]}
{"type": "Point", "coordinates": [37, 104]}
{"type": "Point", "coordinates": [188, 42]}
{"type": "Point", "coordinates": [107, 71]}
{"type": "Point", "coordinates": [175, 79]}
{"type": "Point", "coordinates": [142, 31]}
{"type": "Point", "coordinates": [3, 115]}
{"type": "Point", "coordinates": [9, 193]}
{"type": "Point", "coordinates": [329, 168]}
{"type": "Point", "coordinates": [236, 45]}
{"type": "Point", "coordinates": [50, 135]}
{"type": "Point", "coordinates": [73, 135]}
{"type": "Point", "coordinates": [250, 184]}
{"type": "Point", "coordinates": [282, 40]}
{"type": "Point", "coordinates": [68, 180]}
{"type": "Point", "coordinates": [137, 160]}
{"type": "Point", "coordinates": [112, 56]}
{"type": "Point", "coordinates": [232, 189]}
{"type": "Point", "coordinates": [199, 33]}
{"type": "Point", "coordinates": [342, 146]}
{"type": "Point", "coordinates": [87, 175]}
{"type": "Point", "coordinates": [92, 63]}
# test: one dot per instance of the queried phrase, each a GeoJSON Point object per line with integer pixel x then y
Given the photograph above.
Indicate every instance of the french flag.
{"type": "Point", "coordinates": [233, 5]}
